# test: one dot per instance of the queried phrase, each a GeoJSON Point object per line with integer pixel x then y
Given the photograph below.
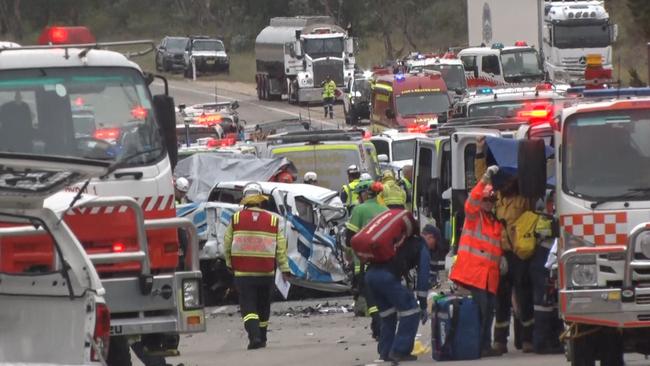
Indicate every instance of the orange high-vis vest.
{"type": "Point", "coordinates": [254, 241]}
{"type": "Point", "coordinates": [479, 248]}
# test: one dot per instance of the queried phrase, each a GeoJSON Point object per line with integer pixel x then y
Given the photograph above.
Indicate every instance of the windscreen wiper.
{"type": "Point", "coordinates": [632, 192]}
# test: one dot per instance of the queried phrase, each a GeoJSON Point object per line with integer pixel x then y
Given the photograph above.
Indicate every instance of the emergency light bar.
{"type": "Point", "coordinates": [66, 35]}
{"type": "Point", "coordinates": [614, 93]}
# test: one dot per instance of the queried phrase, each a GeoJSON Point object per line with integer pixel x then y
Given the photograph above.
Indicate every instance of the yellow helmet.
{"type": "Point", "coordinates": [387, 175]}
{"type": "Point", "coordinates": [393, 195]}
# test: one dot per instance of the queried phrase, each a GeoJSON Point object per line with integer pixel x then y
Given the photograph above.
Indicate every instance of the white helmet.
{"type": "Point", "coordinates": [310, 177]}
{"type": "Point", "coordinates": [182, 184]}
{"type": "Point", "coordinates": [365, 176]}
{"type": "Point", "coordinates": [352, 169]}
{"type": "Point", "coordinates": [252, 189]}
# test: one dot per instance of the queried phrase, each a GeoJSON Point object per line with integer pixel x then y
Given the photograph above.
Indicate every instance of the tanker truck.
{"type": "Point", "coordinates": [294, 55]}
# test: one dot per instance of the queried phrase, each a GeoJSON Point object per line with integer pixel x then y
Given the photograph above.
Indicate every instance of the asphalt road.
{"type": "Point", "coordinates": [252, 110]}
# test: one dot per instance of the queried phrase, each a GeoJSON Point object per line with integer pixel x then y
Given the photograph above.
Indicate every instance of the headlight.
{"type": "Point", "coordinates": [191, 294]}
{"type": "Point", "coordinates": [584, 271]}
{"type": "Point", "coordinates": [643, 244]}
{"type": "Point", "coordinates": [571, 241]}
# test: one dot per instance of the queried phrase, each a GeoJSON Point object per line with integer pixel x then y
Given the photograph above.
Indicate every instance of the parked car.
{"type": "Point", "coordinates": [169, 53]}
{"type": "Point", "coordinates": [208, 53]}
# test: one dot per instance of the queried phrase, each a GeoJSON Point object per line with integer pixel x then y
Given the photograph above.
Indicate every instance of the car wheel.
{"type": "Point", "coordinates": [119, 352]}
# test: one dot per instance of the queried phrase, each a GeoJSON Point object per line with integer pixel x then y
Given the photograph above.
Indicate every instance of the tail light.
{"type": "Point", "coordinates": [119, 247]}
{"type": "Point", "coordinates": [107, 134]}
{"type": "Point", "coordinates": [139, 113]}
{"type": "Point", "coordinates": [102, 334]}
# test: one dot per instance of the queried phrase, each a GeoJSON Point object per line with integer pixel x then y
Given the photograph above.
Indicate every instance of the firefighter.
{"type": "Point", "coordinates": [515, 281]}
{"type": "Point", "coordinates": [479, 255]}
{"type": "Point", "coordinates": [398, 308]}
{"type": "Point", "coordinates": [348, 196]}
{"type": "Point", "coordinates": [392, 190]}
{"type": "Point", "coordinates": [407, 186]}
{"type": "Point", "coordinates": [254, 242]}
{"type": "Point", "coordinates": [329, 92]}
{"type": "Point", "coordinates": [181, 187]}
{"type": "Point", "coordinates": [359, 217]}
{"type": "Point", "coordinates": [310, 178]}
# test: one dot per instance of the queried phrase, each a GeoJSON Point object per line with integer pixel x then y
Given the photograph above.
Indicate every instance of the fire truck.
{"type": "Point", "coordinates": [499, 65]}
{"type": "Point", "coordinates": [603, 209]}
{"type": "Point", "coordinates": [413, 101]}
{"type": "Point", "coordinates": [153, 291]}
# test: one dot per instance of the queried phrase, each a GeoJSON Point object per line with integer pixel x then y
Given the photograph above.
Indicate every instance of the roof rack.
{"type": "Point", "coordinates": [90, 46]}
{"type": "Point", "coordinates": [315, 137]}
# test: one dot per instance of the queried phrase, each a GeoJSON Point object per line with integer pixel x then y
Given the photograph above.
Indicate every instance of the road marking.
{"type": "Point", "coordinates": [273, 109]}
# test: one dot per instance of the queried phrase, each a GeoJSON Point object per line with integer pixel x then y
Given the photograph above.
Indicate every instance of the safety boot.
{"type": "Point", "coordinates": [500, 347]}
{"type": "Point", "coordinates": [527, 347]}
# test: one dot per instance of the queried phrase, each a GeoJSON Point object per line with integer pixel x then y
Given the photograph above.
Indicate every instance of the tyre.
{"type": "Point", "coordinates": [119, 352]}
{"type": "Point", "coordinates": [580, 353]}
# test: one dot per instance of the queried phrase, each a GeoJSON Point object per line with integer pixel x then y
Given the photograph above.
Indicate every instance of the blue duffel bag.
{"type": "Point", "coordinates": [455, 329]}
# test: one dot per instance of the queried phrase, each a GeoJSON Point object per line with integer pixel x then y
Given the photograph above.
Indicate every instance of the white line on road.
{"type": "Point", "coordinates": [273, 109]}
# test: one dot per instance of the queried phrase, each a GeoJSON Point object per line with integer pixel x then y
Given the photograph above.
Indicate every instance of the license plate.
{"type": "Point", "coordinates": [210, 62]}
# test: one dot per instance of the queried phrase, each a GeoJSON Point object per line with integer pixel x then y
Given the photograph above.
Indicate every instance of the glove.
{"type": "Point", "coordinates": [503, 266]}
{"type": "Point", "coordinates": [491, 171]}
{"type": "Point", "coordinates": [424, 316]}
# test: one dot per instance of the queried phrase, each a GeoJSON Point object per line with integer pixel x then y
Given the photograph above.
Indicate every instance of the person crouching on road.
{"type": "Point", "coordinates": [394, 300]}
{"type": "Point", "coordinates": [254, 243]}
{"type": "Point", "coordinates": [361, 215]}
{"type": "Point", "coordinates": [437, 251]}
{"type": "Point", "coordinates": [479, 255]}
{"type": "Point", "coordinates": [329, 92]}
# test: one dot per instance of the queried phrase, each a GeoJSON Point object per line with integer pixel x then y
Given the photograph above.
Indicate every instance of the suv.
{"type": "Point", "coordinates": [356, 104]}
{"type": "Point", "coordinates": [209, 54]}
{"type": "Point", "coordinates": [169, 53]}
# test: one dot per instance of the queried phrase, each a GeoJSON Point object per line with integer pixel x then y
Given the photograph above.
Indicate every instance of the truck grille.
{"type": "Point", "coordinates": [573, 62]}
{"type": "Point", "coordinates": [333, 68]}
{"type": "Point", "coordinates": [643, 299]}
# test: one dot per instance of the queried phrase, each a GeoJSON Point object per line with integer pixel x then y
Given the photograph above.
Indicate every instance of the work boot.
{"type": "Point", "coordinates": [490, 352]}
{"type": "Point", "coordinates": [256, 343]}
{"type": "Point", "coordinates": [375, 326]}
{"type": "Point", "coordinates": [527, 347]}
{"type": "Point", "coordinates": [500, 347]}
{"type": "Point", "coordinates": [395, 357]}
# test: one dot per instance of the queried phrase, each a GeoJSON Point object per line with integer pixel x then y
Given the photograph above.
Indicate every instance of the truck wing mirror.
{"type": "Point", "coordinates": [166, 116]}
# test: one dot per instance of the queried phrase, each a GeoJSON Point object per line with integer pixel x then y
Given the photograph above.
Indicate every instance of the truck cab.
{"type": "Point", "coordinates": [499, 65]}
{"type": "Point", "coordinates": [409, 101]}
{"type": "Point", "coordinates": [450, 67]}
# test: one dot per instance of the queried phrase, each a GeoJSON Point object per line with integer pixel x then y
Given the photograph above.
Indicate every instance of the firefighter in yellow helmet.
{"type": "Point", "coordinates": [255, 247]}
{"type": "Point", "coordinates": [393, 194]}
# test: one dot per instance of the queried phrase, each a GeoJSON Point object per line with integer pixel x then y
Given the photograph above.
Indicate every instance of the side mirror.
{"type": "Point", "coordinates": [163, 106]}
{"type": "Point", "coordinates": [390, 114]}
{"type": "Point", "coordinates": [234, 105]}
{"type": "Point", "coordinates": [383, 158]}
{"type": "Point", "coordinates": [162, 48]}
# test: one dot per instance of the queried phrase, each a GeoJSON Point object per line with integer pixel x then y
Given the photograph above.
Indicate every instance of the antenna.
{"type": "Point", "coordinates": [216, 98]}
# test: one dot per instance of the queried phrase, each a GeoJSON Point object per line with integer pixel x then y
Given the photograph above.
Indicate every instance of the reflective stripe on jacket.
{"type": "Point", "coordinates": [351, 197]}
{"type": "Point", "coordinates": [329, 89]}
{"type": "Point", "coordinates": [253, 243]}
{"type": "Point", "coordinates": [479, 249]}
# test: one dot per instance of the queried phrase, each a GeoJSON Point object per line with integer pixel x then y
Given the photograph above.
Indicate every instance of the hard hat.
{"type": "Point", "coordinates": [363, 186]}
{"type": "Point", "coordinates": [182, 184]}
{"type": "Point", "coordinates": [376, 187]}
{"type": "Point", "coordinates": [365, 176]}
{"type": "Point", "coordinates": [310, 177]}
{"type": "Point", "coordinates": [252, 189]}
{"type": "Point", "coordinates": [352, 169]}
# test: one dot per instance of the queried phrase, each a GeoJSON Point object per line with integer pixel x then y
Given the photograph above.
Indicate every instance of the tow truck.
{"type": "Point", "coordinates": [154, 295]}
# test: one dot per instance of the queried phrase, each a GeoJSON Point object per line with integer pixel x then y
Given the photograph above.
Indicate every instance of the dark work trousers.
{"type": "Point", "coordinates": [517, 280]}
{"type": "Point", "coordinates": [486, 302]}
{"type": "Point", "coordinates": [371, 304]}
{"type": "Point", "coordinates": [328, 104]}
{"type": "Point", "coordinates": [255, 304]}
{"type": "Point", "coordinates": [548, 325]}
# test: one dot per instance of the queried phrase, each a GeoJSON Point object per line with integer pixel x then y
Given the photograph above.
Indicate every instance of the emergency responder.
{"type": "Point", "coordinates": [392, 190]}
{"type": "Point", "coordinates": [396, 302]}
{"type": "Point", "coordinates": [348, 196]}
{"type": "Point", "coordinates": [437, 251]}
{"type": "Point", "coordinates": [516, 279]}
{"type": "Point", "coordinates": [254, 242]}
{"type": "Point", "coordinates": [359, 217]}
{"type": "Point", "coordinates": [329, 92]}
{"type": "Point", "coordinates": [310, 178]}
{"type": "Point", "coordinates": [181, 187]}
{"type": "Point", "coordinates": [479, 255]}
{"type": "Point", "coordinates": [407, 186]}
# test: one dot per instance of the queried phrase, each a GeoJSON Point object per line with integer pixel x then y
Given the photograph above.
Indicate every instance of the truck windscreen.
{"type": "Point", "coordinates": [413, 104]}
{"type": "Point", "coordinates": [403, 150]}
{"type": "Point", "coordinates": [606, 154]}
{"type": "Point", "coordinates": [322, 47]}
{"type": "Point", "coordinates": [581, 36]}
{"type": "Point", "coordinates": [91, 112]}
{"type": "Point", "coordinates": [519, 64]}
{"type": "Point", "coordinates": [453, 75]}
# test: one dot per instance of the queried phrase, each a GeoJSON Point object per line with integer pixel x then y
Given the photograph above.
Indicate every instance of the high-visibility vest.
{"type": "Point", "coordinates": [352, 196]}
{"type": "Point", "coordinates": [329, 89]}
{"type": "Point", "coordinates": [479, 248]}
{"type": "Point", "coordinates": [254, 241]}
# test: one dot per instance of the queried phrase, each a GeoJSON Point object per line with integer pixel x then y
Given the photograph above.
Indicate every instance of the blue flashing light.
{"type": "Point", "coordinates": [400, 77]}
{"type": "Point", "coordinates": [420, 56]}
{"type": "Point", "coordinates": [497, 46]}
{"type": "Point", "coordinates": [484, 91]}
{"type": "Point", "coordinates": [614, 92]}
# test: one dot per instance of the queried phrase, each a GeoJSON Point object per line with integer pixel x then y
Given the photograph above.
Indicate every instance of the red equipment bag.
{"type": "Point", "coordinates": [379, 240]}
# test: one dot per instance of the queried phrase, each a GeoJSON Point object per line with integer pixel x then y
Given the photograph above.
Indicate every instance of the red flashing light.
{"type": "Point", "coordinates": [521, 44]}
{"type": "Point", "coordinates": [107, 134]}
{"type": "Point", "coordinates": [79, 101]}
{"type": "Point", "coordinates": [119, 247]}
{"type": "Point", "coordinates": [208, 119]}
{"type": "Point", "coordinates": [417, 128]}
{"type": "Point", "coordinates": [224, 142]}
{"type": "Point", "coordinates": [102, 332]}
{"type": "Point", "coordinates": [139, 112]}
{"type": "Point", "coordinates": [66, 35]}
{"type": "Point", "coordinates": [537, 113]}
{"type": "Point", "coordinates": [544, 87]}
{"type": "Point", "coordinates": [367, 135]}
